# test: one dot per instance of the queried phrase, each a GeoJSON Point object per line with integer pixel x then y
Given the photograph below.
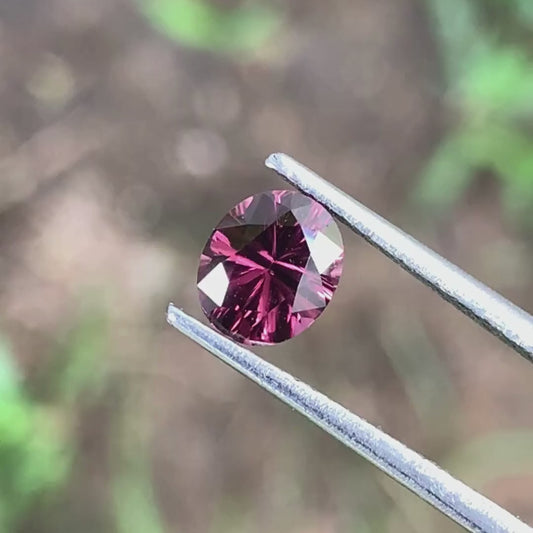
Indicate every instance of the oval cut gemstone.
{"type": "Point", "coordinates": [270, 267]}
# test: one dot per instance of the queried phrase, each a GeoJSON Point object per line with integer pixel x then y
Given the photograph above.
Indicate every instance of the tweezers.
{"type": "Point", "coordinates": [508, 322]}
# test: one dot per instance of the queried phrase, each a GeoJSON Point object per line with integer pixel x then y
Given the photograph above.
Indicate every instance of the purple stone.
{"type": "Point", "coordinates": [270, 267]}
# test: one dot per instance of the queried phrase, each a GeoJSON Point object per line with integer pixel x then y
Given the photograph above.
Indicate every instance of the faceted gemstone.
{"type": "Point", "coordinates": [270, 267]}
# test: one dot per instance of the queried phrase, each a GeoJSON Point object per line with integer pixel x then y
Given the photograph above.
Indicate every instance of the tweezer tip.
{"type": "Point", "coordinates": [173, 314]}
{"type": "Point", "coordinates": [275, 160]}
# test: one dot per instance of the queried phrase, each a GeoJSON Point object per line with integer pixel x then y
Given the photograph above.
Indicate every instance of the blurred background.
{"type": "Point", "coordinates": [127, 129]}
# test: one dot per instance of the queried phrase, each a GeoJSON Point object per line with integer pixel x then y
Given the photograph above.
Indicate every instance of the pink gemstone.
{"type": "Point", "coordinates": [270, 267]}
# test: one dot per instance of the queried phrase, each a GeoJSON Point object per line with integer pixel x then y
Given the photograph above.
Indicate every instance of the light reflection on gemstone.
{"type": "Point", "coordinates": [270, 267]}
{"type": "Point", "coordinates": [215, 284]}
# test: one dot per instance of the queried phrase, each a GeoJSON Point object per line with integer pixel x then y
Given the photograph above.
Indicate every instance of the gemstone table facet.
{"type": "Point", "coordinates": [270, 267]}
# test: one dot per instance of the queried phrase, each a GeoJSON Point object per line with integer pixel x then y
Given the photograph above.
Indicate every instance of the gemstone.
{"type": "Point", "coordinates": [270, 267]}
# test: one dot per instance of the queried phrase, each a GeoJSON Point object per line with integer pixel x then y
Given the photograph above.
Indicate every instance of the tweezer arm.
{"type": "Point", "coordinates": [496, 314]}
{"type": "Point", "coordinates": [461, 503]}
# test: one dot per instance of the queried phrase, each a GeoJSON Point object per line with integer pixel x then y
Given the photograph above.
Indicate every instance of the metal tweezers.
{"type": "Point", "coordinates": [511, 324]}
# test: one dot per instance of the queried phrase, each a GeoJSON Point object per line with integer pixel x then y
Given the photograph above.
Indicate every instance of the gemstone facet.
{"type": "Point", "coordinates": [270, 267]}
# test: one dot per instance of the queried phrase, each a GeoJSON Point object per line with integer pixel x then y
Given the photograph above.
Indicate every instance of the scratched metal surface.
{"type": "Point", "coordinates": [496, 314]}
{"type": "Point", "coordinates": [453, 498]}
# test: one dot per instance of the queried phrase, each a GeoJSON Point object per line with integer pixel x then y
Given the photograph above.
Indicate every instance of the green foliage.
{"type": "Point", "coordinates": [34, 457]}
{"type": "Point", "coordinates": [520, 10]}
{"type": "Point", "coordinates": [134, 503]}
{"type": "Point", "coordinates": [133, 497]}
{"type": "Point", "coordinates": [491, 85]}
{"type": "Point", "coordinates": [498, 85]}
{"type": "Point", "coordinates": [493, 456]}
{"type": "Point", "coordinates": [82, 365]}
{"type": "Point", "coordinates": [36, 446]}
{"type": "Point", "coordinates": [200, 24]}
